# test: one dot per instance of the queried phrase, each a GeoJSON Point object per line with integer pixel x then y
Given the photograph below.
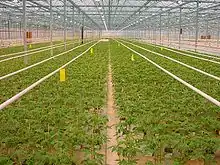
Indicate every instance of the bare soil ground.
{"type": "Point", "coordinates": [111, 157]}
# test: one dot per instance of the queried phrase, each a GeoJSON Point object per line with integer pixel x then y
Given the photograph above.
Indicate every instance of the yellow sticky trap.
{"type": "Point", "coordinates": [30, 46]}
{"type": "Point", "coordinates": [161, 48]}
{"type": "Point", "coordinates": [91, 51]}
{"type": "Point", "coordinates": [62, 75]}
{"type": "Point", "coordinates": [132, 57]}
{"type": "Point", "coordinates": [118, 44]}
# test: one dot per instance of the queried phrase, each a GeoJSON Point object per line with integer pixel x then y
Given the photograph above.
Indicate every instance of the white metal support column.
{"type": "Point", "coordinates": [51, 28]}
{"type": "Point", "coordinates": [189, 33]}
{"type": "Point", "coordinates": [100, 33]}
{"type": "Point", "coordinates": [9, 22]}
{"type": "Point", "coordinates": [207, 29]}
{"type": "Point", "coordinates": [73, 20]}
{"type": "Point", "coordinates": [37, 29]}
{"type": "Point", "coordinates": [160, 30]}
{"type": "Point", "coordinates": [151, 34]}
{"type": "Point", "coordinates": [168, 30]}
{"type": "Point", "coordinates": [78, 27]}
{"type": "Point", "coordinates": [218, 35]}
{"type": "Point", "coordinates": [24, 31]}
{"type": "Point", "coordinates": [109, 14]}
{"type": "Point", "coordinates": [139, 34]}
{"type": "Point", "coordinates": [180, 27]}
{"type": "Point", "coordinates": [65, 20]}
{"type": "Point", "coordinates": [155, 34]}
{"type": "Point", "coordinates": [20, 31]}
{"type": "Point", "coordinates": [82, 29]}
{"type": "Point", "coordinates": [145, 30]}
{"type": "Point", "coordinates": [197, 25]}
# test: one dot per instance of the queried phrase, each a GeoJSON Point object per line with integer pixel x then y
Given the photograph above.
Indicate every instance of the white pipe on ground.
{"type": "Point", "coordinates": [203, 94]}
{"type": "Point", "coordinates": [27, 54]}
{"type": "Point", "coordinates": [38, 63]}
{"type": "Point", "coordinates": [20, 94]}
{"type": "Point", "coordinates": [179, 62]}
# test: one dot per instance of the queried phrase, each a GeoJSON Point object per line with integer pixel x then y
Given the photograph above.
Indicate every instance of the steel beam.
{"type": "Point", "coordinates": [159, 13]}
{"type": "Point", "coordinates": [218, 31]}
{"type": "Point", "coordinates": [168, 31]}
{"type": "Point", "coordinates": [83, 12]}
{"type": "Point", "coordinates": [73, 20]}
{"type": "Point", "coordinates": [180, 27]}
{"type": "Point", "coordinates": [51, 28]}
{"type": "Point", "coordinates": [148, 1]}
{"type": "Point", "coordinates": [109, 13]}
{"type": "Point", "coordinates": [197, 25]}
{"type": "Point", "coordinates": [24, 31]}
{"type": "Point", "coordinates": [160, 30]}
{"type": "Point", "coordinates": [65, 22]}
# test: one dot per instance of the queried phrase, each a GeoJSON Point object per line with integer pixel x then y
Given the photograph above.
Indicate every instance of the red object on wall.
{"type": "Point", "coordinates": [28, 35]}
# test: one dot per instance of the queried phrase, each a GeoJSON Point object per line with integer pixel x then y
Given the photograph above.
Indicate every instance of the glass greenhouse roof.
{"type": "Point", "coordinates": [114, 14]}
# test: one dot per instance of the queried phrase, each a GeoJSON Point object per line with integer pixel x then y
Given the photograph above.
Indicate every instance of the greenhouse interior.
{"type": "Point", "coordinates": [110, 82]}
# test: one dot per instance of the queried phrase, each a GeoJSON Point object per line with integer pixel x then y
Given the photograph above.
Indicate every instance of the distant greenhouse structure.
{"type": "Point", "coordinates": [186, 23]}
{"type": "Point", "coordinates": [109, 82]}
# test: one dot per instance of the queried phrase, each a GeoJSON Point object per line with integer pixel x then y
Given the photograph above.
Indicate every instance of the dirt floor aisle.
{"type": "Point", "coordinates": [112, 157]}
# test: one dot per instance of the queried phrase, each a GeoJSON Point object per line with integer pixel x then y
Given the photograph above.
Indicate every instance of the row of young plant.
{"type": "Point", "coordinates": [207, 66]}
{"type": "Point", "coordinates": [205, 83]}
{"type": "Point", "coordinates": [190, 52]}
{"type": "Point", "coordinates": [15, 49]}
{"type": "Point", "coordinates": [197, 54]}
{"type": "Point", "coordinates": [18, 63]}
{"type": "Point", "coordinates": [158, 115]}
{"type": "Point", "coordinates": [193, 52]}
{"type": "Point", "coordinates": [14, 84]}
{"type": "Point", "coordinates": [32, 51]}
{"type": "Point", "coordinates": [60, 123]}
